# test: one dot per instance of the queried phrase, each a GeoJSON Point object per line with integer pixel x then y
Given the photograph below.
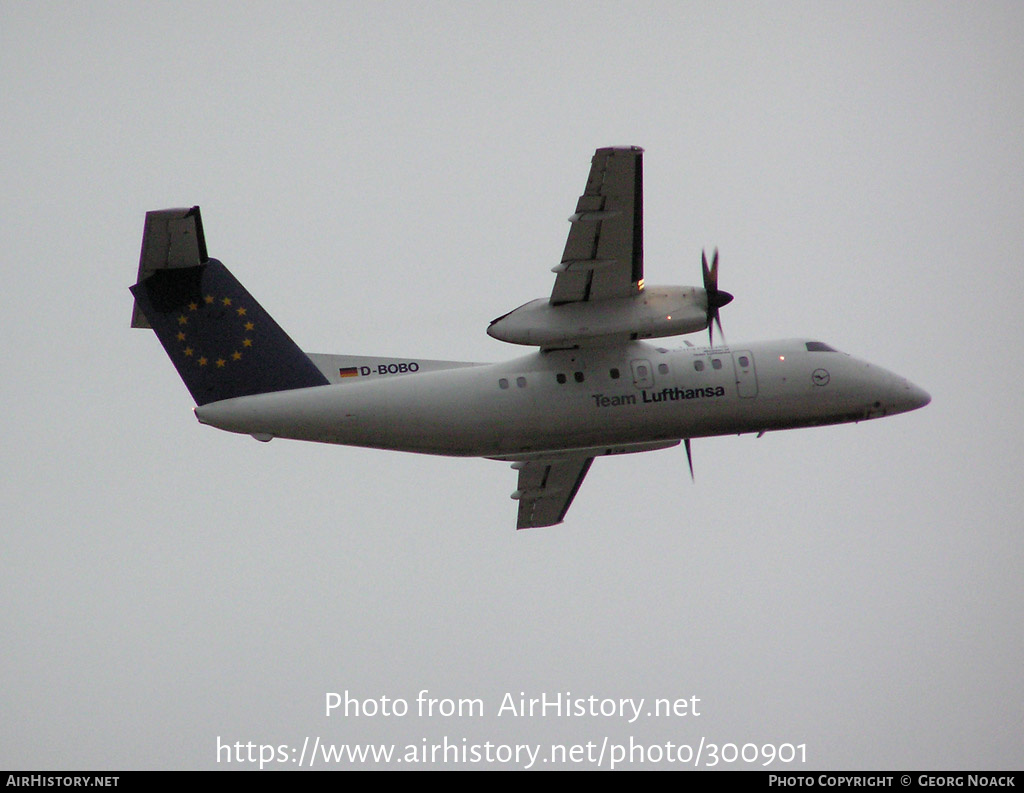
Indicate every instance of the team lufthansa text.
{"type": "Point", "coordinates": [664, 395]}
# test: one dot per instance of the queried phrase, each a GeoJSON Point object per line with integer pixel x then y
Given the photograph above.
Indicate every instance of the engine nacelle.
{"type": "Point", "coordinates": [655, 312]}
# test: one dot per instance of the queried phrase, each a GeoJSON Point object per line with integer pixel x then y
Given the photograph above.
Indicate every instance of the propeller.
{"type": "Point", "coordinates": [716, 297]}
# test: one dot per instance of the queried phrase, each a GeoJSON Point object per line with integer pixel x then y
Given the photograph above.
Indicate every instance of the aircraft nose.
{"type": "Point", "coordinates": [909, 397]}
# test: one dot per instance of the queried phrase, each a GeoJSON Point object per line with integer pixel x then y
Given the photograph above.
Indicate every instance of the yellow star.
{"type": "Point", "coordinates": [181, 336]}
{"type": "Point", "coordinates": [247, 342]}
{"type": "Point", "coordinates": [220, 363]}
{"type": "Point", "coordinates": [236, 356]}
{"type": "Point", "coordinates": [208, 299]}
{"type": "Point", "coordinates": [193, 306]}
{"type": "Point", "coordinates": [203, 361]}
{"type": "Point", "coordinates": [241, 312]}
{"type": "Point", "coordinates": [249, 326]}
{"type": "Point", "coordinates": [226, 301]}
{"type": "Point", "coordinates": [188, 352]}
{"type": "Point", "coordinates": [182, 320]}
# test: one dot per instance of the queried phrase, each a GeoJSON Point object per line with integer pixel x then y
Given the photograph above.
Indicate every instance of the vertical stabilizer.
{"type": "Point", "coordinates": [218, 337]}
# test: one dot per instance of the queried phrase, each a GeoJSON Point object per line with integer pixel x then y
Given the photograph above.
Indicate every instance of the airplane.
{"type": "Point", "coordinates": [592, 387]}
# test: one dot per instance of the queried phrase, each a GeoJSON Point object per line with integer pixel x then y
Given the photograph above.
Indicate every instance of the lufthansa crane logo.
{"type": "Point", "coordinates": [820, 377]}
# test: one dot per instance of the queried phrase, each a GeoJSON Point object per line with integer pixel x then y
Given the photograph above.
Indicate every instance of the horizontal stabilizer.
{"type": "Point", "coordinates": [171, 238]}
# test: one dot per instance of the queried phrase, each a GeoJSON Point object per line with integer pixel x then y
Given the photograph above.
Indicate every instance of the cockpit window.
{"type": "Point", "coordinates": [819, 346]}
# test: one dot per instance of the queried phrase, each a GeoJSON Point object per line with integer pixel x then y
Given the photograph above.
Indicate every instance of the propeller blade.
{"type": "Point", "coordinates": [689, 457]}
{"type": "Point", "coordinates": [716, 297]}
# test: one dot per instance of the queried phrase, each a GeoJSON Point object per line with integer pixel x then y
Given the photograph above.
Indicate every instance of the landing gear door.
{"type": "Point", "coordinates": [746, 375]}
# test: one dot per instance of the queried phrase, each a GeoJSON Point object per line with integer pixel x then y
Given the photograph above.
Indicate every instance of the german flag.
{"type": "Point", "coordinates": [350, 371]}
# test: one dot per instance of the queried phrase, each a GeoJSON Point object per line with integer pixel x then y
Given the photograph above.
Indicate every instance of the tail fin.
{"type": "Point", "coordinates": [220, 340]}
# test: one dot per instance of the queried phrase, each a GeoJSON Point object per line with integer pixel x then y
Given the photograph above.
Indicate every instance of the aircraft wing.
{"type": "Point", "coordinates": [547, 488]}
{"type": "Point", "coordinates": [604, 254]}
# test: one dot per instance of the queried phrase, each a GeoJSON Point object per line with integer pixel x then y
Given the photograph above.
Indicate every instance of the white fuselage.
{"type": "Point", "coordinates": [584, 398]}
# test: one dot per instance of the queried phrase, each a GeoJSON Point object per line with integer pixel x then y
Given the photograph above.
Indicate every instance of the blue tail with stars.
{"type": "Point", "coordinates": [220, 340]}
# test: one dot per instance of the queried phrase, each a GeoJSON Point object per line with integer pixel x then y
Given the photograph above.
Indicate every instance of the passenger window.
{"type": "Point", "coordinates": [716, 363]}
{"type": "Point", "coordinates": [614, 373]}
{"type": "Point", "coordinates": [521, 382]}
{"type": "Point", "coordinates": [662, 368]}
{"type": "Point", "coordinates": [641, 372]}
{"type": "Point", "coordinates": [744, 361]}
{"type": "Point", "coordinates": [560, 378]}
{"type": "Point", "coordinates": [503, 383]}
{"type": "Point", "coordinates": [578, 376]}
{"type": "Point", "coordinates": [698, 365]}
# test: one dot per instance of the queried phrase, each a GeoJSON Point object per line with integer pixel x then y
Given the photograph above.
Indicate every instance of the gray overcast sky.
{"type": "Point", "coordinates": [388, 177]}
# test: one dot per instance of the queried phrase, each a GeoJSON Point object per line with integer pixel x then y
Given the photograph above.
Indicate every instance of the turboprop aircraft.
{"type": "Point", "coordinates": [593, 386]}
